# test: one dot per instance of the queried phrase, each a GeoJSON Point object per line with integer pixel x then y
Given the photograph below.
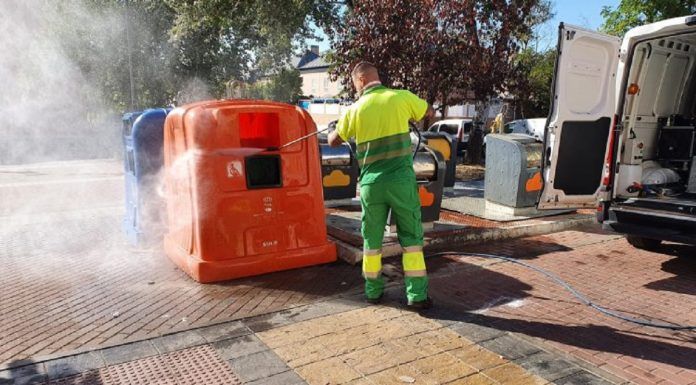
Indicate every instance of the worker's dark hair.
{"type": "Point", "coordinates": [363, 67]}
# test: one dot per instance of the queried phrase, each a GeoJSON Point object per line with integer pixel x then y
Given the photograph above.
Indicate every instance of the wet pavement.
{"type": "Point", "coordinates": [80, 305]}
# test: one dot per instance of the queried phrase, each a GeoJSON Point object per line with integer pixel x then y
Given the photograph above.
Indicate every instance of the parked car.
{"type": "Point", "coordinates": [533, 127]}
{"type": "Point", "coordinates": [621, 132]}
{"type": "Point", "coordinates": [326, 101]}
{"type": "Point", "coordinates": [459, 129]}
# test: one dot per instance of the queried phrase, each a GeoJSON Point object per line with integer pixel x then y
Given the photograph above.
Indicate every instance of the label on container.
{"type": "Point", "coordinates": [234, 169]}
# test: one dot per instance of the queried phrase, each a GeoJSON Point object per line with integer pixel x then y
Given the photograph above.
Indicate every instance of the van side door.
{"type": "Point", "coordinates": [577, 131]}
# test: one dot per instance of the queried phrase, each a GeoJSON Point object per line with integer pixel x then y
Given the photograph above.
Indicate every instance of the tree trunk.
{"type": "Point", "coordinates": [475, 145]}
{"type": "Point", "coordinates": [443, 105]}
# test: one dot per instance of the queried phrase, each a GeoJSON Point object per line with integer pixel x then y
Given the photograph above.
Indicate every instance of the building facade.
{"type": "Point", "coordinates": [314, 71]}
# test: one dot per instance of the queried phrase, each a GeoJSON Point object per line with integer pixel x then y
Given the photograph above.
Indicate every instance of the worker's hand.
{"type": "Point", "coordinates": [333, 139]}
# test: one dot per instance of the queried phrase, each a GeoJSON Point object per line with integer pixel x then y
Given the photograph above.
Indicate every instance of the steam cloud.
{"type": "Point", "coordinates": [48, 108]}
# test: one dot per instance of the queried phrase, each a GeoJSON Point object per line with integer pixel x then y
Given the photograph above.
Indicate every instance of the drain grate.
{"type": "Point", "coordinates": [198, 365]}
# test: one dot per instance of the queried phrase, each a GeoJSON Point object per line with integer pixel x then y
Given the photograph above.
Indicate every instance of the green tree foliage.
{"type": "Point", "coordinates": [633, 13]}
{"type": "Point", "coordinates": [181, 46]}
{"type": "Point", "coordinates": [99, 35]}
{"type": "Point", "coordinates": [285, 86]}
{"type": "Point", "coordinates": [264, 30]}
{"type": "Point", "coordinates": [531, 84]}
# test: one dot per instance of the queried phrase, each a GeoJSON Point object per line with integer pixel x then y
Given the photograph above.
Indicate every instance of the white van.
{"type": "Point", "coordinates": [620, 133]}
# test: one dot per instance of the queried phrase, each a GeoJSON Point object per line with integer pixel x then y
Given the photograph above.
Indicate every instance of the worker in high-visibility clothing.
{"type": "Point", "coordinates": [378, 121]}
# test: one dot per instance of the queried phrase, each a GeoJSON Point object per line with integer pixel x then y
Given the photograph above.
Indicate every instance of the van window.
{"type": "Point", "coordinates": [467, 127]}
{"type": "Point", "coordinates": [451, 129]}
{"type": "Point", "coordinates": [433, 128]}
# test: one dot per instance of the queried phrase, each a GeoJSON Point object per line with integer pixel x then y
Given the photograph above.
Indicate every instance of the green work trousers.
{"type": "Point", "coordinates": [401, 197]}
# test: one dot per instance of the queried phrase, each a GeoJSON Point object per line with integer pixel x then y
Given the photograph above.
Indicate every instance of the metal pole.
{"type": "Point", "coordinates": [130, 59]}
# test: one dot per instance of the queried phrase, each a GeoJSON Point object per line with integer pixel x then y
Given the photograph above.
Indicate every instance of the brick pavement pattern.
{"type": "Point", "coordinates": [659, 285]}
{"type": "Point", "coordinates": [84, 298]}
{"type": "Point", "coordinates": [71, 281]}
{"type": "Point", "coordinates": [384, 345]}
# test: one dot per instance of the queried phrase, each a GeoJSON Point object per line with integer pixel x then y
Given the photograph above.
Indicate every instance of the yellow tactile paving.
{"type": "Point", "coordinates": [382, 345]}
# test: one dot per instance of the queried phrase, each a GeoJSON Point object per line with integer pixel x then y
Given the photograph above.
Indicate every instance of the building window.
{"type": "Point", "coordinates": [315, 85]}
{"type": "Point", "coordinates": [326, 84]}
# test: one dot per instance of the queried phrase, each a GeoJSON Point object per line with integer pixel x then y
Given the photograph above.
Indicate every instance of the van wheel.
{"type": "Point", "coordinates": [643, 243]}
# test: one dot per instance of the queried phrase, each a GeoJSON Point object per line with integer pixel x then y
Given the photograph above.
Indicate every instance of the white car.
{"type": "Point", "coordinates": [458, 129]}
{"type": "Point", "coordinates": [533, 127]}
{"type": "Point", "coordinates": [621, 131]}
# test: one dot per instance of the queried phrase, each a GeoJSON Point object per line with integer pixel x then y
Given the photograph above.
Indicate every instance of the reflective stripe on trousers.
{"type": "Point", "coordinates": [372, 263]}
{"type": "Point", "coordinates": [413, 262]}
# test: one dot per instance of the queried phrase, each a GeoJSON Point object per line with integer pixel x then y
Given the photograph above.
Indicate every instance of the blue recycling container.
{"type": "Point", "coordinates": [143, 137]}
{"type": "Point", "coordinates": [304, 103]}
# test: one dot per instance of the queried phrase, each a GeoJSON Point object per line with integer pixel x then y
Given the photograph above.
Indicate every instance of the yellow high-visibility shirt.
{"type": "Point", "coordinates": [379, 123]}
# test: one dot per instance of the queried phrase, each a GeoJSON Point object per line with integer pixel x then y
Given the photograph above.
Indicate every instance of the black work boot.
{"type": "Point", "coordinates": [420, 305]}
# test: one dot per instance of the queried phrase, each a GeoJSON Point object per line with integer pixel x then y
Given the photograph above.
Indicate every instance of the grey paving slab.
{"type": "Point", "coordinates": [320, 309]}
{"type": "Point", "coordinates": [510, 347]}
{"type": "Point", "coordinates": [476, 333]}
{"type": "Point", "coordinates": [71, 365]}
{"type": "Point", "coordinates": [548, 366]}
{"type": "Point", "coordinates": [178, 341]}
{"type": "Point", "coordinates": [6, 378]}
{"type": "Point", "coordinates": [582, 378]}
{"type": "Point", "coordinates": [258, 366]}
{"type": "Point", "coordinates": [29, 369]}
{"type": "Point", "coordinates": [128, 352]}
{"type": "Point", "coordinates": [285, 378]}
{"type": "Point", "coordinates": [224, 331]}
{"type": "Point", "coordinates": [267, 321]}
{"type": "Point", "coordinates": [239, 347]}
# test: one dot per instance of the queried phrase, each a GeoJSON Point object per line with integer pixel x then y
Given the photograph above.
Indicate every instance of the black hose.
{"type": "Point", "coordinates": [583, 298]}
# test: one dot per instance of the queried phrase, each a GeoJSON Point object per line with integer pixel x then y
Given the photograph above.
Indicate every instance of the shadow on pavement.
{"type": "Point", "coordinates": [683, 266]}
{"type": "Point", "coordinates": [24, 371]}
{"type": "Point", "coordinates": [592, 337]}
{"type": "Point", "coordinates": [466, 297]}
{"type": "Point", "coordinates": [521, 248]}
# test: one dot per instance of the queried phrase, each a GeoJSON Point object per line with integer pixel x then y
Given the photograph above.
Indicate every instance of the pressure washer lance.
{"type": "Point", "coordinates": [297, 140]}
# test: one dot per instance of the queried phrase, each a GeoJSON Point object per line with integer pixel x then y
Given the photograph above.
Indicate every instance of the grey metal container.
{"type": "Point", "coordinates": [513, 170]}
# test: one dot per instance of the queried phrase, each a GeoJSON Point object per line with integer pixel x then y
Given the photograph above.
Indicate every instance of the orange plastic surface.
{"type": "Point", "coordinates": [218, 228]}
{"type": "Point", "coordinates": [426, 197]}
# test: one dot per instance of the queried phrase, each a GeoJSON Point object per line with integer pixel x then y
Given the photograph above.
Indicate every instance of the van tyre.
{"type": "Point", "coordinates": [643, 243]}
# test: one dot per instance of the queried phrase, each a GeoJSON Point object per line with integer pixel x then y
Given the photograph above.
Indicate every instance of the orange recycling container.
{"type": "Point", "coordinates": [235, 209]}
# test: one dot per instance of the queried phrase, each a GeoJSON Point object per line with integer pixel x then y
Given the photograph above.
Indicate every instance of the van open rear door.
{"type": "Point", "coordinates": [580, 119]}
